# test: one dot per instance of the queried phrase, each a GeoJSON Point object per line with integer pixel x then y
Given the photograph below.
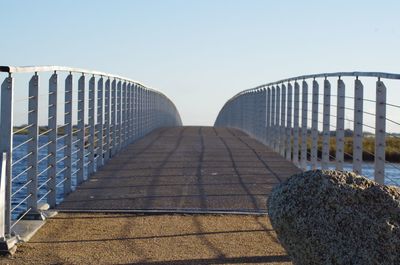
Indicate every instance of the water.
{"type": "Point", "coordinates": [21, 166]}
{"type": "Point", "coordinates": [392, 173]}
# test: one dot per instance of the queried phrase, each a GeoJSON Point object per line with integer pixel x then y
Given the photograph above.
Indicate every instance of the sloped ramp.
{"type": "Point", "coordinates": [185, 169]}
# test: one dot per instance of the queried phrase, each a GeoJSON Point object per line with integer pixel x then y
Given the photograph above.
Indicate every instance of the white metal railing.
{"type": "Point", "coordinates": [98, 115]}
{"type": "Point", "coordinates": [281, 115]}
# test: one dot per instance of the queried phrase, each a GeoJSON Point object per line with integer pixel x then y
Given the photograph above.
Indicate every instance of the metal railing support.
{"type": "Point", "coordinates": [314, 125]}
{"type": "Point", "coordinates": [52, 147]}
{"type": "Point", "coordinates": [92, 129]}
{"type": "Point", "coordinates": [296, 116]}
{"type": "Point", "coordinates": [304, 127]}
{"type": "Point", "coordinates": [81, 130]}
{"type": "Point", "coordinates": [340, 110]}
{"type": "Point", "coordinates": [326, 132]}
{"type": "Point", "coordinates": [358, 124]}
{"type": "Point", "coordinates": [107, 114]}
{"type": "Point", "coordinates": [289, 122]}
{"type": "Point", "coordinates": [380, 132]}
{"type": "Point", "coordinates": [33, 133]}
{"type": "Point", "coordinates": [68, 130]}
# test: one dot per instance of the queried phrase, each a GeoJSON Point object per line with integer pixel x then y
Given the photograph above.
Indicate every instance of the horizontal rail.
{"type": "Point", "coordinates": [325, 75]}
{"type": "Point", "coordinates": [54, 68]}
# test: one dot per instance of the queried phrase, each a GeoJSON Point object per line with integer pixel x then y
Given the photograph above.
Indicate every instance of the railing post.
{"type": "Point", "coordinates": [129, 116]}
{"type": "Point", "coordinates": [6, 143]}
{"type": "Point", "coordinates": [107, 106]}
{"type": "Point", "coordinates": [113, 117]}
{"type": "Point", "coordinates": [296, 114]}
{"type": "Point", "coordinates": [52, 147]}
{"type": "Point", "coordinates": [273, 118]}
{"type": "Point", "coordinates": [277, 119]}
{"type": "Point", "coordinates": [358, 124]}
{"type": "Point", "coordinates": [263, 115]}
{"type": "Point", "coordinates": [282, 131]}
{"type": "Point", "coordinates": [100, 136]}
{"type": "Point", "coordinates": [135, 112]}
{"type": "Point", "coordinates": [314, 126]}
{"type": "Point", "coordinates": [119, 113]}
{"type": "Point", "coordinates": [340, 109]}
{"type": "Point", "coordinates": [380, 132]}
{"type": "Point", "coordinates": [91, 162]}
{"type": "Point", "coordinates": [289, 123]}
{"type": "Point", "coordinates": [81, 129]}
{"type": "Point", "coordinates": [68, 132]}
{"type": "Point", "coordinates": [304, 127]}
{"type": "Point", "coordinates": [33, 132]}
{"type": "Point", "coordinates": [123, 115]}
{"type": "Point", "coordinates": [326, 133]}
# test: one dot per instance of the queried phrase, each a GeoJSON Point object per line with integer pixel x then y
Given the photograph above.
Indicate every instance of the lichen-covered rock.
{"type": "Point", "coordinates": [336, 217]}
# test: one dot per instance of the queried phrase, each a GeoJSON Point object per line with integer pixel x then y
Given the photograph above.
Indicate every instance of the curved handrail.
{"type": "Point", "coordinates": [52, 68]}
{"type": "Point", "coordinates": [324, 75]}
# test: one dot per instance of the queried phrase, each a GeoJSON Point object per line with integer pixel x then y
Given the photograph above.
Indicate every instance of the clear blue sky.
{"type": "Point", "coordinates": [200, 53]}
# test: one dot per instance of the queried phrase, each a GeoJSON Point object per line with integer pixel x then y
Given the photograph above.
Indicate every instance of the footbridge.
{"type": "Point", "coordinates": [95, 147]}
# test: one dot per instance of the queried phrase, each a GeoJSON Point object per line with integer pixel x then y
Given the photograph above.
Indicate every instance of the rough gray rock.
{"type": "Point", "coordinates": [336, 217]}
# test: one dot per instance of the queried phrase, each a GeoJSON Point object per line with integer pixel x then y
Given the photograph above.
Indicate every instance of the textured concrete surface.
{"type": "Point", "coordinates": [202, 168]}
{"type": "Point", "coordinates": [152, 240]}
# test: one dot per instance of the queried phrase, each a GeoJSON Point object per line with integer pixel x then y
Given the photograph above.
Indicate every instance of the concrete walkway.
{"type": "Point", "coordinates": [185, 170]}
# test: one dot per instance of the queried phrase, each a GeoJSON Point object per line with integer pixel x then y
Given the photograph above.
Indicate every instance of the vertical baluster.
{"type": "Point", "coordinates": [304, 127]}
{"type": "Point", "coordinates": [113, 116]}
{"type": "Point", "coordinates": [263, 115]}
{"type": "Point", "coordinates": [138, 111]}
{"type": "Point", "coordinates": [282, 131]}
{"type": "Point", "coordinates": [289, 122]}
{"type": "Point", "coordinates": [107, 106]}
{"type": "Point", "coordinates": [380, 132]}
{"type": "Point", "coordinates": [269, 115]}
{"type": "Point", "coordinates": [273, 115]}
{"type": "Point", "coordinates": [326, 134]}
{"type": "Point", "coordinates": [358, 124]}
{"type": "Point", "coordinates": [68, 132]}
{"type": "Point", "coordinates": [91, 163]}
{"type": "Point", "coordinates": [100, 151]}
{"type": "Point", "coordinates": [129, 98]}
{"type": "Point", "coordinates": [340, 109]}
{"type": "Point", "coordinates": [33, 132]}
{"type": "Point", "coordinates": [81, 129]}
{"type": "Point", "coordinates": [314, 125]}
{"type": "Point", "coordinates": [119, 114]}
{"type": "Point", "coordinates": [278, 137]}
{"type": "Point", "coordinates": [135, 112]}
{"type": "Point", "coordinates": [296, 115]}
{"type": "Point", "coordinates": [6, 143]}
{"type": "Point", "coordinates": [52, 138]}
{"type": "Point", "coordinates": [123, 122]}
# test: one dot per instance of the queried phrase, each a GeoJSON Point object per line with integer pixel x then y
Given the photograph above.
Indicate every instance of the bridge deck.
{"type": "Point", "coordinates": [185, 168]}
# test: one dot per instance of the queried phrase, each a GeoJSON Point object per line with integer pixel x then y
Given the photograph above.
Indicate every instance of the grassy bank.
{"type": "Point", "coordinates": [392, 148]}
